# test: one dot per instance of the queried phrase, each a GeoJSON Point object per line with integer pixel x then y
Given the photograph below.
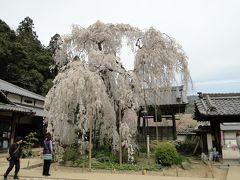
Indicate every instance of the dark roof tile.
{"type": "Point", "coordinates": [218, 104]}
{"type": "Point", "coordinates": [6, 86]}
{"type": "Point", "coordinates": [14, 108]}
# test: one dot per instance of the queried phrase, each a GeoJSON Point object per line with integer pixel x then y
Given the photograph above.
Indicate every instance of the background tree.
{"type": "Point", "coordinates": [10, 51]}
{"type": "Point", "coordinates": [24, 60]}
{"type": "Point", "coordinates": [54, 43]}
{"type": "Point", "coordinates": [6, 36]}
{"type": "Point", "coordinates": [53, 46]}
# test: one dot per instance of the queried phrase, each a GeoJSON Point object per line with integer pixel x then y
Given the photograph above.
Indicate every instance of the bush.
{"type": "Point", "coordinates": [154, 144]}
{"type": "Point", "coordinates": [142, 148]}
{"type": "Point", "coordinates": [166, 154]}
{"type": "Point", "coordinates": [71, 153]}
{"type": "Point", "coordinates": [179, 159]}
{"type": "Point", "coordinates": [28, 144]}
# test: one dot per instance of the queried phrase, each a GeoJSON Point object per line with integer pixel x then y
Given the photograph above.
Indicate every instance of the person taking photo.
{"type": "Point", "coordinates": [15, 152]}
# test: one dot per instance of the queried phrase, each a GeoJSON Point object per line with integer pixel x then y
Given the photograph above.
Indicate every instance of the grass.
{"type": "Point", "coordinates": [142, 163]}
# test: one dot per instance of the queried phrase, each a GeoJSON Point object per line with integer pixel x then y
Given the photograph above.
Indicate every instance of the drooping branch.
{"type": "Point", "coordinates": [101, 82]}
{"type": "Point", "coordinates": [139, 43]}
{"type": "Point", "coordinates": [100, 45]}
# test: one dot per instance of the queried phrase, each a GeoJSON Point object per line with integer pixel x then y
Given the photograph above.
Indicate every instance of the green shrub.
{"type": "Point", "coordinates": [28, 143]}
{"type": "Point", "coordinates": [104, 154]}
{"type": "Point", "coordinates": [142, 148]}
{"type": "Point", "coordinates": [154, 144]}
{"type": "Point", "coordinates": [71, 153]}
{"type": "Point", "coordinates": [179, 159]}
{"type": "Point", "coordinates": [166, 154]}
{"type": "Point", "coordinates": [26, 153]}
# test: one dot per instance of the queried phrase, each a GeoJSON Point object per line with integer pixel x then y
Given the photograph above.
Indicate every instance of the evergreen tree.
{"type": "Point", "coordinates": [10, 53]}
{"type": "Point", "coordinates": [24, 60]}
{"type": "Point", "coordinates": [35, 67]}
{"type": "Point", "coordinates": [6, 36]}
{"type": "Point", "coordinates": [54, 43]}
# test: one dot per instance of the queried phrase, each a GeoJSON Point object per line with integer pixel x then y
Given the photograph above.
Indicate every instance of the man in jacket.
{"type": "Point", "coordinates": [15, 151]}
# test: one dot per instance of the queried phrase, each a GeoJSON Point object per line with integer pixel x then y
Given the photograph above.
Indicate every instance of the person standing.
{"type": "Point", "coordinates": [15, 152]}
{"type": "Point", "coordinates": [47, 154]}
{"type": "Point", "coordinates": [238, 139]}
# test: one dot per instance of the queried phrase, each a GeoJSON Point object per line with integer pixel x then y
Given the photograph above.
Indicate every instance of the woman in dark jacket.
{"type": "Point", "coordinates": [15, 151]}
{"type": "Point", "coordinates": [47, 154]}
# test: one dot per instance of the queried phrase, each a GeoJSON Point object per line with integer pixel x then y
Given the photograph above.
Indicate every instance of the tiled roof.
{"type": "Point", "coordinates": [6, 86]}
{"type": "Point", "coordinates": [166, 96]}
{"type": "Point", "coordinates": [14, 108]}
{"type": "Point", "coordinates": [218, 105]}
{"type": "Point", "coordinates": [37, 111]}
{"type": "Point", "coordinates": [4, 99]}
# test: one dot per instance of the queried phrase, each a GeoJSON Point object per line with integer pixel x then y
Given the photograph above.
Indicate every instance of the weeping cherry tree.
{"type": "Point", "coordinates": [92, 80]}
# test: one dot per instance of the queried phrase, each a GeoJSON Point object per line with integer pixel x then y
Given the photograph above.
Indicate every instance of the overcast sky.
{"type": "Point", "coordinates": [208, 30]}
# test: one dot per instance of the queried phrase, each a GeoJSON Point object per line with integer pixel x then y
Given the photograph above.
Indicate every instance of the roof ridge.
{"type": "Point", "coordinates": [221, 94]}
{"type": "Point", "coordinates": [224, 97]}
{"type": "Point", "coordinates": [212, 107]}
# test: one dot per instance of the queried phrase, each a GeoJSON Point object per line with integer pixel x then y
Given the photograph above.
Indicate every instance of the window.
{"type": "Point", "coordinates": [28, 101]}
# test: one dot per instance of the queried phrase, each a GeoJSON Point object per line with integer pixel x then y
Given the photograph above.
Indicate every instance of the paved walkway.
{"type": "Point", "coordinates": [233, 173]}
{"type": "Point", "coordinates": [31, 169]}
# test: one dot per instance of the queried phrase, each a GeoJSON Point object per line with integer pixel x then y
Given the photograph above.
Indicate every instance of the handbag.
{"type": "Point", "coordinates": [9, 157]}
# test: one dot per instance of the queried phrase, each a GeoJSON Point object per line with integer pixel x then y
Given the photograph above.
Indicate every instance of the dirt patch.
{"type": "Point", "coordinates": [198, 169]}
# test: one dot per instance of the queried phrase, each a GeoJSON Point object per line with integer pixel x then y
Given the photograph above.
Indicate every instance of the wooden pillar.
{"type": "Point", "coordinates": [209, 142]}
{"type": "Point", "coordinates": [162, 129]}
{"type": "Point", "coordinates": [13, 128]}
{"type": "Point", "coordinates": [174, 127]}
{"type": "Point", "coordinates": [144, 128]}
{"type": "Point", "coordinates": [156, 120]}
{"type": "Point", "coordinates": [218, 134]}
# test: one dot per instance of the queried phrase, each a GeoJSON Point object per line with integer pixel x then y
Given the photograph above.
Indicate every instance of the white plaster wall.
{"type": "Point", "coordinates": [39, 103]}
{"type": "Point", "coordinates": [14, 98]}
{"type": "Point", "coordinates": [181, 137]}
{"type": "Point", "coordinates": [230, 138]}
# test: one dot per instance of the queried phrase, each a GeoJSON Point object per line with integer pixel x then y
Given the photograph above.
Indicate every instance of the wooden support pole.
{"type": "Point", "coordinates": [13, 128]}
{"type": "Point", "coordinates": [174, 127]}
{"type": "Point", "coordinates": [90, 140]}
{"type": "Point", "coordinates": [120, 136]}
{"type": "Point", "coordinates": [156, 119]}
